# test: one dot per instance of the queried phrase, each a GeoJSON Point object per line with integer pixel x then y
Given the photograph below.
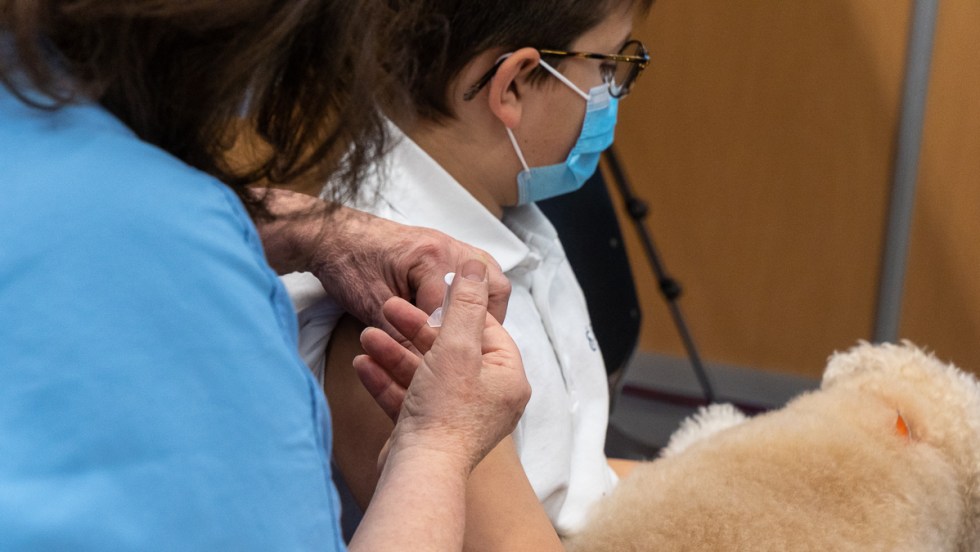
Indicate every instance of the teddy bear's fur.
{"type": "Point", "coordinates": [885, 456]}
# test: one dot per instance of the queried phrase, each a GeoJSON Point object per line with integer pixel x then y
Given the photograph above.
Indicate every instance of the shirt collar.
{"type": "Point", "coordinates": [421, 192]}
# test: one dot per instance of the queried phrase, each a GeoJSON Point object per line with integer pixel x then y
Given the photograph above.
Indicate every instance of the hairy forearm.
{"type": "Point", "coordinates": [349, 251]}
{"type": "Point", "coordinates": [297, 229]}
{"type": "Point", "coordinates": [308, 234]}
{"type": "Point", "coordinates": [363, 260]}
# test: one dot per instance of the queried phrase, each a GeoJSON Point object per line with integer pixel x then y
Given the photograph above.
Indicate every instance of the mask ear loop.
{"type": "Point", "coordinates": [564, 79]}
{"type": "Point", "coordinates": [520, 154]}
{"type": "Point", "coordinates": [559, 76]}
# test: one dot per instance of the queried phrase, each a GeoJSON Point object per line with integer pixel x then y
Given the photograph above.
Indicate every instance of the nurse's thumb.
{"type": "Point", "coordinates": [465, 316]}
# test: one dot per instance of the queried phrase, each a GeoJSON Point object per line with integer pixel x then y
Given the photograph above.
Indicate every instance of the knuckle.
{"type": "Point", "coordinates": [464, 312]}
{"type": "Point", "coordinates": [469, 296]}
{"type": "Point", "coordinates": [523, 394]}
{"type": "Point", "coordinates": [430, 245]}
{"type": "Point", "coordinates": [502, 285]}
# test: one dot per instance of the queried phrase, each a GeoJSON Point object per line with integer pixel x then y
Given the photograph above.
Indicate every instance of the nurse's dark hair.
{"type": "Point", "coordinates": [445, 35]}
{"type": "Point", "coordinates": [299, 78]}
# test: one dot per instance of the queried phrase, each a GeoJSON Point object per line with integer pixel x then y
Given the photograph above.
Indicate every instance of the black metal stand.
{"type": "Point", "coordinates": [669, 287]}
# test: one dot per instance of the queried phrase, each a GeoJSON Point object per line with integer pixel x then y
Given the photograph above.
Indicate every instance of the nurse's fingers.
{"type": "Point", "coordinates": [398, 363]}
{"type": "Point", "coordinates": [495, 337]}
{"type": "Point", "coordinates": [499, 291]}
{"type": "Point", "coordinates": [460, 340]}
{"type": "Point", "coordinates": [386, 392]}
{"type": "Point", "coordinates": [411, 323]}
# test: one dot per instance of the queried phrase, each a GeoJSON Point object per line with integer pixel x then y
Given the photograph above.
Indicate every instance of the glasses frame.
{"type": "Point", "coordinates": [639, 62]}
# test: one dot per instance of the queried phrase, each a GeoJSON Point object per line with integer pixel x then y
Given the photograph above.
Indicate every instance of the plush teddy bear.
{"type": "Point", "coordinates": [884, 456]}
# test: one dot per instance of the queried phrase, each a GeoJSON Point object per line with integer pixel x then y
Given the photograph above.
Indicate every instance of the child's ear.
{"type": "Point", "coordinates": [508, 84]}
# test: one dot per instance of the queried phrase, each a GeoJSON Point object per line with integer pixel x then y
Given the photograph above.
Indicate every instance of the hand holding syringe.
{"type": "Point", "coordinates": [435, 319]}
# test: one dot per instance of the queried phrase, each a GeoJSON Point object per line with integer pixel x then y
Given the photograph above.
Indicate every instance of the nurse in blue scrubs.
{"type": "Point", "coordinates": [151, 396]}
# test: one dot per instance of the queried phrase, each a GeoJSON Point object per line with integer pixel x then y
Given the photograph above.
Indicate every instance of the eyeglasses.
{"type": "Point", "coordinates": [619, 70]}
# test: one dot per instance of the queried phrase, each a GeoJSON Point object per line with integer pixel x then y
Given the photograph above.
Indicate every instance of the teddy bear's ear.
{"type": "Point", "coordinates": [865, 359]}
{"type": "Point", "coordinates": [843, 365]}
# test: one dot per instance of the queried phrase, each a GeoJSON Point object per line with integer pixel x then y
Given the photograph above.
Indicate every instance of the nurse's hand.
{"type": "Point", "coordinates": [468, 390]}
{"type": "Point", "coordinates": [362, 260]}
{"type": "Point", "coordinates": [452, 406]}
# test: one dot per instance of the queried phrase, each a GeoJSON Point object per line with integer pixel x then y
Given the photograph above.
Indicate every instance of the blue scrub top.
{"type": "Point", "coordinates": [151, 395]}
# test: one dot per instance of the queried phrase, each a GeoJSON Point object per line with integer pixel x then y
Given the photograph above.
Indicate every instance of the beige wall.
{"type": "Point", "coordinates": [763, 136]}
{"type": "Point", "coordinates": [942, 300]}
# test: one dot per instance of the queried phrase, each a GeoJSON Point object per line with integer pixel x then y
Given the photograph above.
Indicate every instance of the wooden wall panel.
{"type": "Point", "coordinates": [763, 134]}
{"type": "Point", "coordinates": [942, 294]}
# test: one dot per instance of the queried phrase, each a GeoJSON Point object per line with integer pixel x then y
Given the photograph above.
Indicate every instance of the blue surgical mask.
{"type": "Point", "coordinates": [538, 183]}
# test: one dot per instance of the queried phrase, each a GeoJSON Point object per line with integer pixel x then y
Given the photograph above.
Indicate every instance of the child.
{"type": "Point", "coordinates": [513, 103]}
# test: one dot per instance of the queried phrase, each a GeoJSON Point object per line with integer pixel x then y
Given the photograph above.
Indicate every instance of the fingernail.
{"type": "Point", "coordinates": [474, 270]}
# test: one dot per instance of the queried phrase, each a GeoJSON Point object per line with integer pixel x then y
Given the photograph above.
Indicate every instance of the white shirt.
{"type": "Point", "coordinates": [560, 438]}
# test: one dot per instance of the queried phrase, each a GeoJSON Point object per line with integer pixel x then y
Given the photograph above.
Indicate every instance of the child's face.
{"type": "Point", "coordinates": [553, 113]}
